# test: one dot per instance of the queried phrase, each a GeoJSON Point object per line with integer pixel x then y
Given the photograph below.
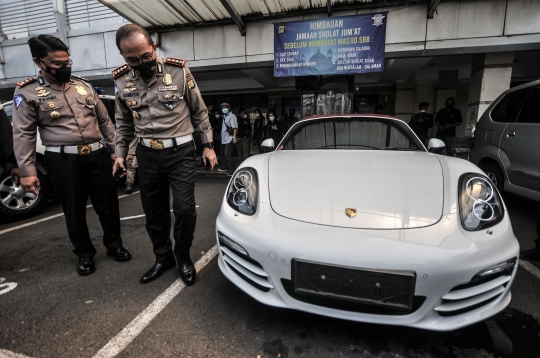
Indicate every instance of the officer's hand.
{"type": "Point", "coordinates": [113, 158]}
{"type": "Point", "coordinates": [31, 184]}
{"type": "Point", "coordinates": [15, 176]}
{"type": "Point", "coordinates": [119, 163]}
{"type": "Point", "coordinates": [129, 160]}
{"type": "Point", "coordinates": [209, 157]}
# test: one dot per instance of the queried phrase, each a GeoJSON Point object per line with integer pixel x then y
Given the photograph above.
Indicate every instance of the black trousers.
{"type": "Point", "coordinates": [160, 170]}
{"type": "Point", "coordinates": [229, 157]}
{"type": "Point", "coordinates": [77, 177]}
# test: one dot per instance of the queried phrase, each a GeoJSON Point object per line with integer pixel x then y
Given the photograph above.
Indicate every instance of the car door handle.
{"type": "Point", "coordinates": [511, 134]}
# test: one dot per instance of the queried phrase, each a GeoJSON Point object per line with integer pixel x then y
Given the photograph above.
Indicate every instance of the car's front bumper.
{"type": "Point", "coordinates": [443, 256]}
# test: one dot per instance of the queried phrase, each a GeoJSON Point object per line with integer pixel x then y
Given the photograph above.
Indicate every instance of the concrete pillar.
{"type": "Point", "coordinates": [490, 76]}
{"type": "Point", "coordinates": [404, 99]}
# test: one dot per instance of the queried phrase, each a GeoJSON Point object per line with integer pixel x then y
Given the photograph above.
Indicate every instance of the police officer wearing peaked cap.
{"type": "Point", "coordinates": [71, 120]}
{"type": "Point", "coordinates": [158, 101]}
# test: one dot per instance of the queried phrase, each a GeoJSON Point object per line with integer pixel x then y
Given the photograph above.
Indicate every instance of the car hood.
{"type": "Point", "coordinates": [387, 189]}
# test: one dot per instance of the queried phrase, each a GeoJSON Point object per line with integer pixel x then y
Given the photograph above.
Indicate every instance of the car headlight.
{"type": "Point", "coordinates": [243, 192]}
{"type": "Point", "coordinates": [480, 205]}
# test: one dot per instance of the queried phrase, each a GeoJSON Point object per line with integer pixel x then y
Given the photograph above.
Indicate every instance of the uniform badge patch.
{"type": "Point", "coordinates": [41, 92]}
{"type": "Point", "coordinates": [167, 88]}
{"type": "Point", "coordinates": [55, 115]}
{"type": "Point", "coordinates": [167, 79]}
{"type": "Point", "coordinates": [81, 90]}
{"type": "Point", "coordinates": [170, 105]}
{"type": "Point", "coordinates": [17, 100]}
{"type": "Point", "coordinates": [190, 81]}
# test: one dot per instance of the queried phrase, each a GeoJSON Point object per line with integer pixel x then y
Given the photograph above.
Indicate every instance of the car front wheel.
{"type": "Point", "coordinates": [15, 203]}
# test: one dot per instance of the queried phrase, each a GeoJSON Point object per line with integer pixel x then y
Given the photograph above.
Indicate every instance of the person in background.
{"type": "Point", "coordinates": [274, 127]}
{"type": "Point", "coordinates": [379, 109]}
{"type": "Point", "coordinates": [259, 128]}
{"type": "Point", "coordinates": [215, 122]}
{"type": "Point", "coordinates": [356, 110]}
{"type": "Point", "coordinates": [210, 107]}
{"type": "Point", "coordinates": [447, 120]}
{"type": "Point", "coordinates": [244, 134]}
{"type": "Point", "coordinates": [229, 130]}
{"type": "Point", "coordinates": [131, 167]}
{"type": "Point", "coordinates": [421, 122]}
{"type": "Point", "coordinates": [289, 120]}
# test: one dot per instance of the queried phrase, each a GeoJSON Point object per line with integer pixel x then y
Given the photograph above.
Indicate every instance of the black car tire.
{"type": "Point", "coordinates": [495, 174]}
{"type": "Point", "coordinates": [8, 208]}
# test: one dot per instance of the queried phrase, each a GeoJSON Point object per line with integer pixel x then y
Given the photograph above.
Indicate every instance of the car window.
{"type": "Point", "coordinates": [529, 112]}
{"type": "Point", "coordinates": [351, 133]}
{"type": "Point", "coordinates": [506, 110]}
{"type": "Point", "coordinates": [8, 108]}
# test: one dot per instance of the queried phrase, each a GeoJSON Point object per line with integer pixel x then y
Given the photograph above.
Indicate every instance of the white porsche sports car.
{"type": "Point", "coordinates": [351, 217]}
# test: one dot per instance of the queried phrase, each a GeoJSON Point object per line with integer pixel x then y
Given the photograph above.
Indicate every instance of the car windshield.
{"type": "Point", "coordinates": [363, 133]}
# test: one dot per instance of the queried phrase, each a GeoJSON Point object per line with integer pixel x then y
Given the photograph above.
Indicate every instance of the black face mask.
{"type": "Point", "coordinates": [449, 106]}
{"type": "Point", "coordinates": [62, 74]}
{"type": "Point", "coordinates": [146, 69]}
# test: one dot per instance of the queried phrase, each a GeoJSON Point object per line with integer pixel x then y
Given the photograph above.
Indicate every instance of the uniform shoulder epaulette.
{"type": "Point", "coordinates": [175, 61]}
{"type": "Point", "coordinates": [81, 78]}
{"type": "Point", "coordinates": [26, 81]}
{"type": "Point", "coordinates": [120, 71]}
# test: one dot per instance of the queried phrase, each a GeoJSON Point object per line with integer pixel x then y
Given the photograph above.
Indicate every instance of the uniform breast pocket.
{"type": "Point", "coordinates": [132, 102]}
{"type": "Point", "coordinates": [88, 105]}
{"type": "Point", "coordinates": [169, 100]}
{"type": "Point", "coordinates": [53, 113]}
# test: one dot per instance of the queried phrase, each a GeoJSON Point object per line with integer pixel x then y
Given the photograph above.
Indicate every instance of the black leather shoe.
{"type": "Point", "coordinates": [187, 271]}
{"type": "Point", "coordinates": [121, 254]}
{"type": "Point", "coordinates": [85, 266]}
{"type": "Point", "coordinates": [156, 271]}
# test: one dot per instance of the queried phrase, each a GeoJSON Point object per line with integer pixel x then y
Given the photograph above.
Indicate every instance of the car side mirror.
{"type": "Point", "coordinates": [436, 146]}
{"type": "Point", "coordinates": [267, 145]}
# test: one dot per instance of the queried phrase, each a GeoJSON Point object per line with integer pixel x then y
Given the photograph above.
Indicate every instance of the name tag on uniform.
{"type": "Point", "coordinates": [45, 99]}
{"type": "Point", "coordinates": [132, 94]}
{"type": "Point", "coordinates": [167, 88]}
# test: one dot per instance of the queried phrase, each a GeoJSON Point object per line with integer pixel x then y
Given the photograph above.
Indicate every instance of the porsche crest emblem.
{"type": "Point", "coordinates": [350, 212]}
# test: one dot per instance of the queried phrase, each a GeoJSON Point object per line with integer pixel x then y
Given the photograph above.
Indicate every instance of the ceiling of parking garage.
{"type": "Point", "coordinates": [186, 13]}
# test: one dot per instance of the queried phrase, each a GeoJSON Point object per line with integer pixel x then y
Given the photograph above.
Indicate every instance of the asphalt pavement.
{"type": "Point", "coordinates": [54, 312]}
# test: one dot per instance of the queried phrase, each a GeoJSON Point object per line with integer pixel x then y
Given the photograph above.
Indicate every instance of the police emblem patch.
{"type": "Point", "coordinates": [377, 19]}
{"type": "Point", "coordinates": [17, 100]}
{"type": "Point", "coordinates": [167, 79]}
{"type": "Point", "coordinates": [81, 90]}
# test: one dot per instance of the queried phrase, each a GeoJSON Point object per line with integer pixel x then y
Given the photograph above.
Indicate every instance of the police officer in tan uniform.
{"type": "Point", "coordinates": [158, 101]}
{"type": "Point", "coordinates": [71, 120]}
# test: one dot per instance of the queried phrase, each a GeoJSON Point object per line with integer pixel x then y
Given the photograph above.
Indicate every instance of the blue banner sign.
{"type": "Point", "coordinates": [331, 46]}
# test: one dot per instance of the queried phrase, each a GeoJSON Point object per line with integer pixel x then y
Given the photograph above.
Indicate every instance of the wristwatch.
{"type": "Point", "coordinates": [208, 145]}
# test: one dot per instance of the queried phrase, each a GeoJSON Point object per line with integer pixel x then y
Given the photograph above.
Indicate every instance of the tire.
{"type": "Point", "coordinates": [21, 205]}
{"type": "Point", "coordinates": [495, 174]}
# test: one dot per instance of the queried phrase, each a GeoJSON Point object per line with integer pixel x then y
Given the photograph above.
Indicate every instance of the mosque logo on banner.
{"type": "Point", "coordinates": [332, 46]}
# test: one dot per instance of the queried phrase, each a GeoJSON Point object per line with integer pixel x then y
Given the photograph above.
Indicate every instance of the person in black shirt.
{"type": "Point", "coordinates": [274, 127]}
{"type": "Point", "coordinates": [289, 120]}
{"type": "Point", "coordinates": [421, 122]}
{"type": "Point", "coordinates": [6, 144]}
{"type": "Point", "coordinates": [244, 133]}
{"type": "Point", "coordinates": [447, 120]}
{"type": "Point", "coordinates": [259, 128]}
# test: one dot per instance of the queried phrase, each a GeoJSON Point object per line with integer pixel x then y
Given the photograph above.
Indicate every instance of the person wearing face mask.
{"type": "Point", "coordinates": [244, 133]}
{"type": "Point", "coordinates": [215, 122]}
{"type": "Point", "coordinates": [421, 122]}
{"type": "Point", "coordinates": [259, 128]}
{"type": "Point", "coordinates": [447, 120]}
{"type": "Point", "coordinates": [229, 131]}
{"type": "Point", "coordinates": [274, 127]}
{"type": "Point", "coordinates": [289, 120]}
{"type": "Point", "coordinates": [72, 120]}
{"type": "Point", "coordinates": [159, 103]}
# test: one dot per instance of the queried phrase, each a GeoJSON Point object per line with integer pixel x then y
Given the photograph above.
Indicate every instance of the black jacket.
{"type": "Point", "coordinates": [275, 134]}
{"type": "Point", "coordinates": [259, 129]}
{"type": "Point", "coordinates": [421, 128]}
{"type": "Point", "coordinates": [448, 116]}
{"type": "Point", "coordinates": [244, 127]}
{"type": "Point", "coordinates": [6, 140]}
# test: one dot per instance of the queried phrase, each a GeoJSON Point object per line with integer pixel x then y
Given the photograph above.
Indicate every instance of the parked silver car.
{"type": "Point", "coordinates": [507, 141]}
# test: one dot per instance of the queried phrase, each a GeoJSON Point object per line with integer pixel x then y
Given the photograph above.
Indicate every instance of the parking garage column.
{"type": "Point", "coordinates": [490, 76]}
{"type": "Point", "coordinates": [405, 99]}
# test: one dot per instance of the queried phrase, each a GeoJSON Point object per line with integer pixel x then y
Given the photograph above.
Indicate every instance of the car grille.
{"type": "Point", "coordinates": [475, 294]}
{"type": "Point", "coordinates": [247, 268]}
